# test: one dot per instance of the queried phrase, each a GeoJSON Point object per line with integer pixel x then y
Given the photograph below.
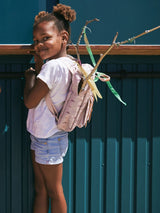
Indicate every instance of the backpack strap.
{"type": "Point", "coordinates": [48, 99]}
{"type": "Point", "coordinates": [51, 106]}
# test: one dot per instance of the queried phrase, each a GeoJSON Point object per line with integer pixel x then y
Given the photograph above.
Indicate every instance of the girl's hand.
{"type": "Point", "coordinates": [34, 90]}
{"type": "Point", "coordinates": [29, 73]}
{"type": "Point", "coordinates": [38, 63]}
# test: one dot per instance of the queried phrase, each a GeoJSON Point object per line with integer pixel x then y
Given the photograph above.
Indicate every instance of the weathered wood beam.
{"type": "Point", "coordinates": [19, 49]}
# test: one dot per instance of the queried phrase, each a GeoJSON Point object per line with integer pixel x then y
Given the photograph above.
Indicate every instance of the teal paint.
{"type": "Point", "coordinates": [96, 180]}
{"type": "Point", "coordinates": [16, 21]}
{"type": "Point", "coordinates": [155, 204]}
{"type": "Point", "coordinates": [128, 18]}
{"type": "Point", "coordinates": [17, 17]}
{"type": "Point", "coordinates": [112, 165]}
{"type": "Point", "coordinates": [127, 177]}
{"type": "Point", "coordinates": [112, 176]}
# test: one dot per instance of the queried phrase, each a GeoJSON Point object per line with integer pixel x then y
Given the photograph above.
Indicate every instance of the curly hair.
{"type": "Point", "coordinates": [62, 16]}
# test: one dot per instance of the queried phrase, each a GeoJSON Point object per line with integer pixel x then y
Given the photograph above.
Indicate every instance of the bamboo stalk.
{"type": "Point", "coordinates": [81, 34]}
{"type": "Point", "coordinates": [91, 83]}
{"type": "Point", "coordinates": [135, 37]}
{"type": "Point", "coordinates": [101, 58]}
{"type": "Point", "coordinates": [112, 45]}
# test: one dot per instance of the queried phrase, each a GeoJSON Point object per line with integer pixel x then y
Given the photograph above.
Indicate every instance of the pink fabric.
{"type": "Point", "coordinates": [77, 109]}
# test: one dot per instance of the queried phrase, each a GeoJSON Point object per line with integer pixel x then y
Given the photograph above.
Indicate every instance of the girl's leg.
{"type": "Point", "coordinates": [41, 202]}
{"type": "Point", "coordinates": [53, 179]}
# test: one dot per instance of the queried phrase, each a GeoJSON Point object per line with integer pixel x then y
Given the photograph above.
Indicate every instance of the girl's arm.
{"type": "Point", "coordinates": [35, 89]}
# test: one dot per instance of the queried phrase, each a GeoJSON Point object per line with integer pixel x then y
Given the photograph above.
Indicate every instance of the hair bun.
{"type": "Point", "coordinates": [40, 15]}
{"type": "Point", "coordinates": [65, 11]}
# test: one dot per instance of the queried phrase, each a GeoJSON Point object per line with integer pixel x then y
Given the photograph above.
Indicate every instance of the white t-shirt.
{"type": "Point", "coordinates": [40, 122]}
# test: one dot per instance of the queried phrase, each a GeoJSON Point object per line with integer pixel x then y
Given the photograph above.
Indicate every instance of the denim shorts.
{"type": "Point", "coordinates": [50, 151]}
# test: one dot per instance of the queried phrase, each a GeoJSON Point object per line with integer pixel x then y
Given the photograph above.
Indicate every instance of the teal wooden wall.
{"type": "Point", "coordinates": [129, 18]}
{"type": "Point", "coordinates": [112, 165]}
{"type": "Point", "coordinates": [16, 19]}
{"type": "Point", "coordinates": [126, 17]}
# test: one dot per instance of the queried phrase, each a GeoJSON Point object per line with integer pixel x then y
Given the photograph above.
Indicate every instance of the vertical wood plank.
{"type": "Point", "coordinates": [155, 184]}
{"type": "Point", "coordinates": [81, 176]}
{"type": "Point", "coordinates": [129, 114]}
{"type": "Point", "coordinates": [112, 176]}
{"type": "Point", "coordinates": [144, 127]}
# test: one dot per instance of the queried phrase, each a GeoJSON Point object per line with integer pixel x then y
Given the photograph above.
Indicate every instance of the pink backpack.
{"type": "Point", "coordinates": [77, 109]}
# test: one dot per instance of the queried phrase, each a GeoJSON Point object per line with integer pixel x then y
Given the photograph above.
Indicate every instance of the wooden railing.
{"type": "Point", "coordinates": [96, 49]}
{"type": "Point", "coordinates": [144, 50]}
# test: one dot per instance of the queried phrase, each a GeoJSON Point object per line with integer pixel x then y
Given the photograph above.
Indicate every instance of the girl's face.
{"type": "Point", "coordinates": [49, 43]}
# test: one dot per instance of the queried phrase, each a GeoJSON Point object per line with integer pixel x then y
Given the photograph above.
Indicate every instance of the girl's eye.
{"type": "Point", "coordinates": [45, 38]}
{"type": "Point", "coordinates": [36, 42]}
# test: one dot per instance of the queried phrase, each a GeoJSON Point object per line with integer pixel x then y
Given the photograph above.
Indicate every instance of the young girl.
{"type": "Point", "coordinates": [51, 33]}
